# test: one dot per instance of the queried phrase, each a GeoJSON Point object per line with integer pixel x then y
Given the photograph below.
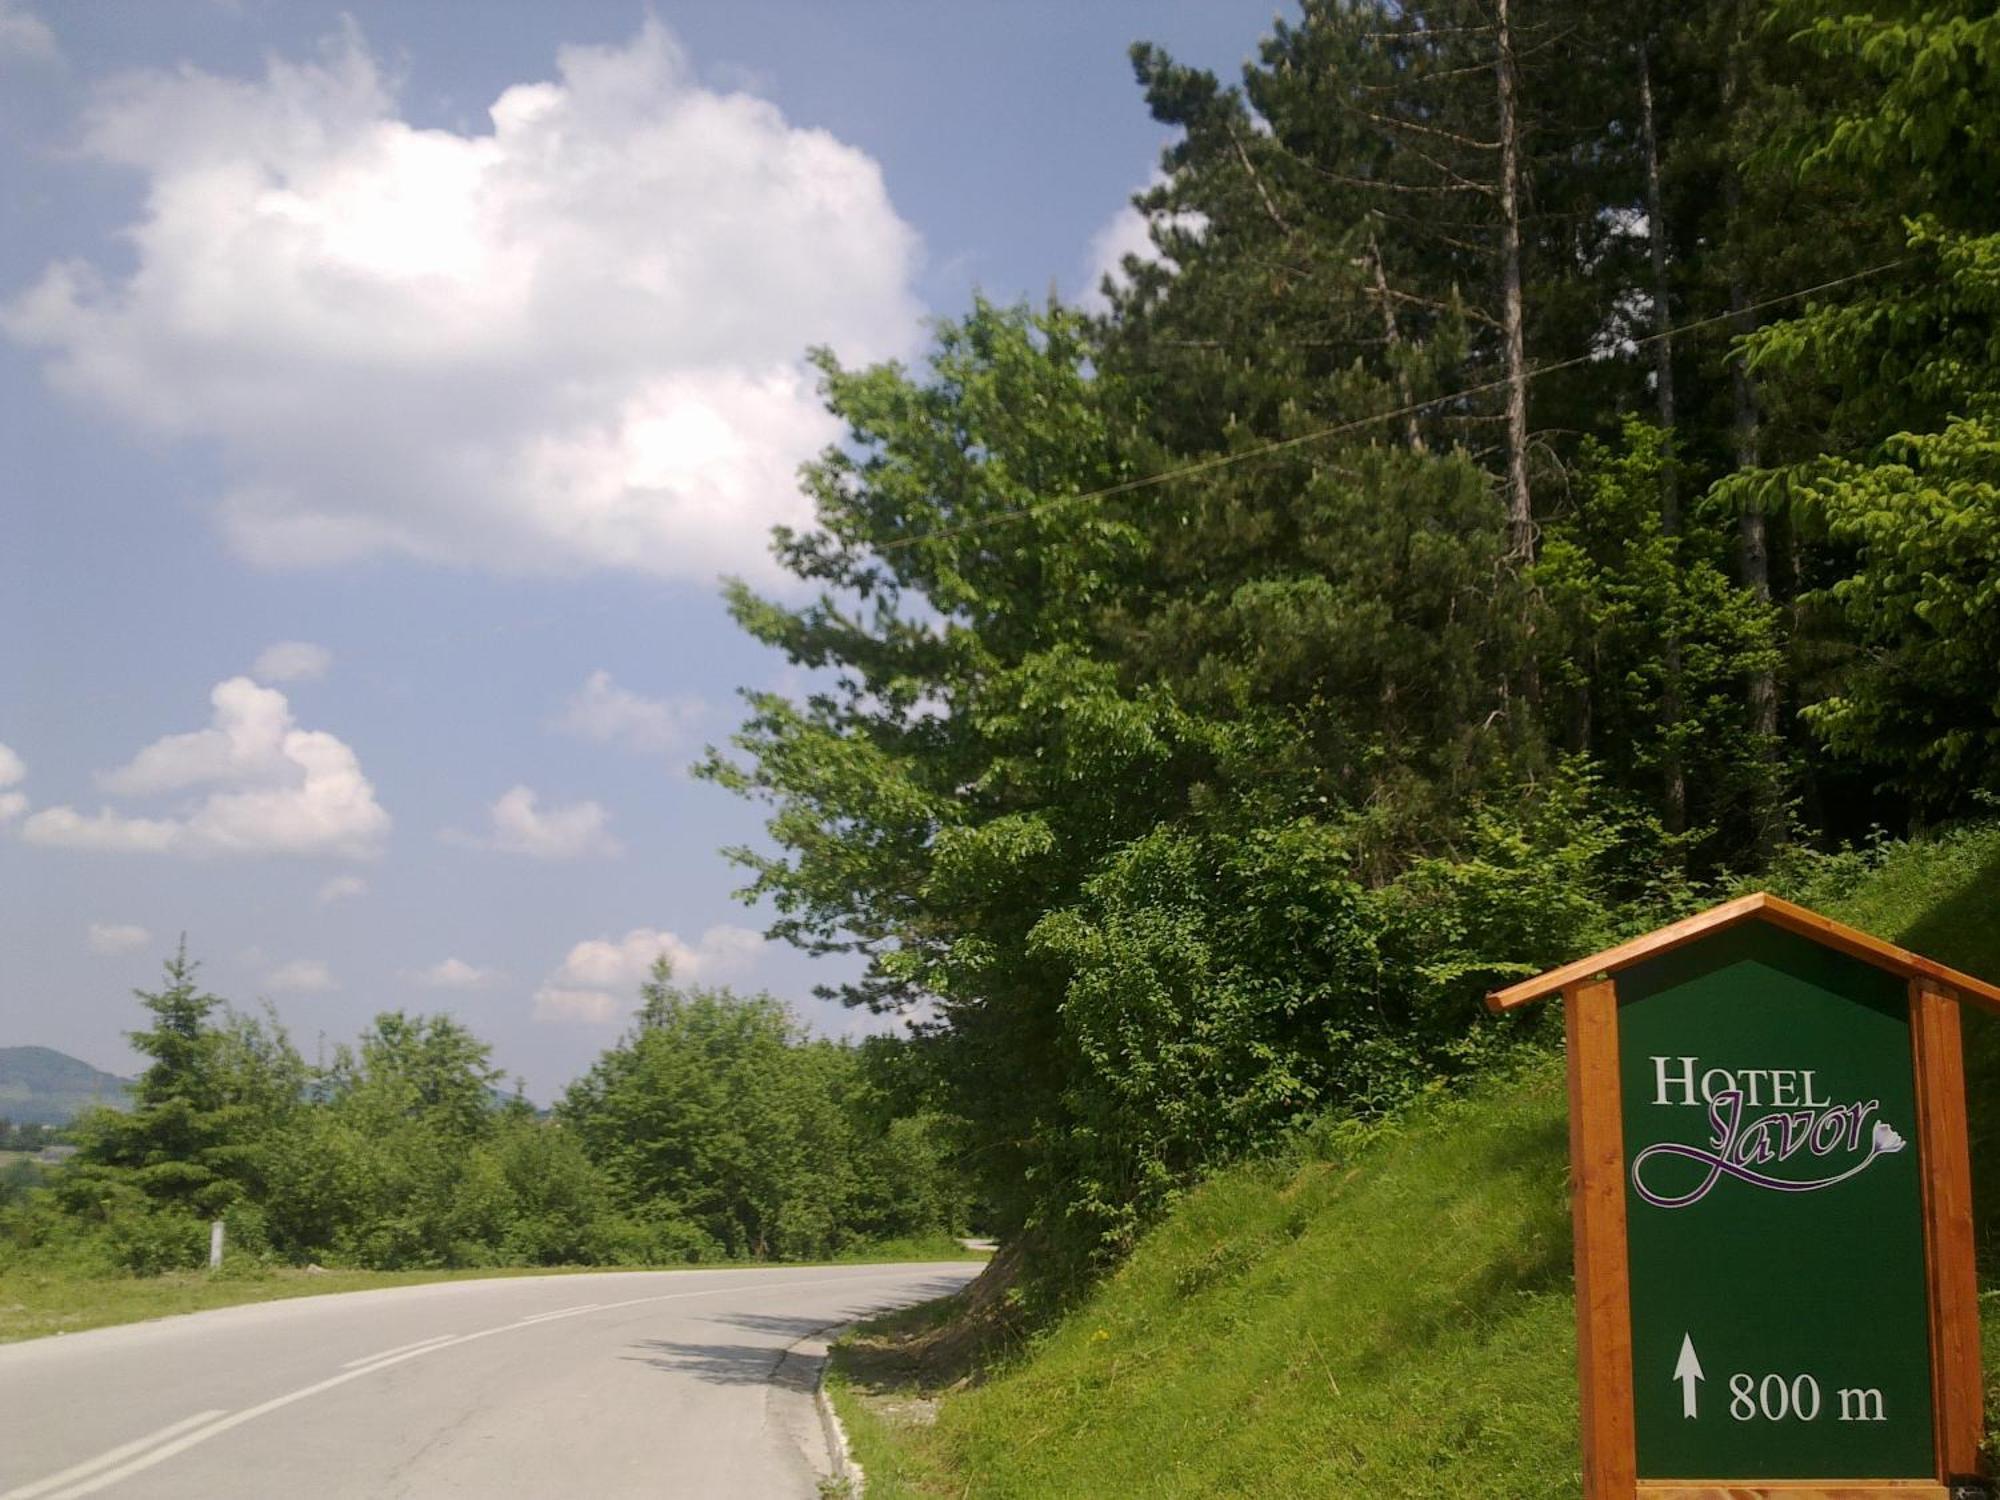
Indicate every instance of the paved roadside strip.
{"type": "Point", "coordinates": [840, 1455]}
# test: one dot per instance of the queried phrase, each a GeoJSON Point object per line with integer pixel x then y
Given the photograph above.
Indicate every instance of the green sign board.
{"type": "Point", "coordinates": [1774, 1213]}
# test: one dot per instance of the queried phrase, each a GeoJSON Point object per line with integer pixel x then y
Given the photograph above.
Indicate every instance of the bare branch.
{"type": "Point", "coordinates": [1243, 156]}
{"type": "Point", "coordinates": [1449, 135]}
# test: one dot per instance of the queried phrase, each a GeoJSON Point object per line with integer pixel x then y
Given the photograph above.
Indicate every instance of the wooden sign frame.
{"type": "Point", "coordinates": [1597, 1206]}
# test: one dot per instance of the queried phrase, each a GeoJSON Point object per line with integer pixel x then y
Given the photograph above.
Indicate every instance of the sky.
{"type": "Point", "coordinates": [384, 390]}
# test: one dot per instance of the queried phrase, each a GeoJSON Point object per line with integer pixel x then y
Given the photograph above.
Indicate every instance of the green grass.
{"type": "Point", "coordinates": [38, 1301]}
{"type": "Point", "coordinates": [1397, 1321]}
{"type": "Point", "coordinates": [1397, 1324]}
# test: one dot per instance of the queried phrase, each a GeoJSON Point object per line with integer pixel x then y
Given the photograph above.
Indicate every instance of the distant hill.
{"type": "Point", "coordinates": [41, 1086]}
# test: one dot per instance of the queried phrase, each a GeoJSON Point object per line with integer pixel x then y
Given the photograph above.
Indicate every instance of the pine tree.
{"type": "Point", "coordinates": [182, 1144]}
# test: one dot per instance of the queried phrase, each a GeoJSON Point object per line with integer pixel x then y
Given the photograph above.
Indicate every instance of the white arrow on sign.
{"type": "Point", "coordinates": [1687, 1370]}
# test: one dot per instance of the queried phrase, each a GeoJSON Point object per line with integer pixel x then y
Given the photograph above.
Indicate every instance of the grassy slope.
{"type": "Point", "coordinates": [37, 1301]}
{"type": "Point", "coordinates": [1398, 1323]}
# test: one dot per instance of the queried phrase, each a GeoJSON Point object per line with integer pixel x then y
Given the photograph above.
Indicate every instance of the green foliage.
{"type": "Point", "coordinates": [1918, 698]}
{"type": "Point", "coordinates": [399, 1156]}
{"type": "Point", "coordinates": [1211, 697]}
{"type": "Point", "coordinates": [719, 1126]}
{"type": "Point", "coordinates": [1907, 494]}
{"type": "Point", "coordinates": [1227, 830]}
{"type": "Point", "coordinates": [1637, 617]}
{"type": "Point", "coordinates": [181, 1147]}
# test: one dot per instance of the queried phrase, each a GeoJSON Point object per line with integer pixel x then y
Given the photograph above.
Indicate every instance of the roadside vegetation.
{"type": "Point", "coordinates": [1378, 599]}
{"type": "Point", "coordinates": [714, 1132]}
{"type": "Point", "coordinates": [1380, 1310]}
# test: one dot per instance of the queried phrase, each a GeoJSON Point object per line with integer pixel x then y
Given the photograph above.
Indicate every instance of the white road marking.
{"type": "Point", "coordinates": [116, 1455]}
{"type": "Point", "coordinates": [145, 1460]}
{"type": "Point", "coordinates": [369, 1359]}
{"type": "Point", "coordinates": [550, 1317]}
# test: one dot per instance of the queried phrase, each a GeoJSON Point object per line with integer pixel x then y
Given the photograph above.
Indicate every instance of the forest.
{"type": "Point", "coordinates": [1543, 479]}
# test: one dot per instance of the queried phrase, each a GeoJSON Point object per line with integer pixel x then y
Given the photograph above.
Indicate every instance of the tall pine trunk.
{"type": "Point", "coordinates": [1520, 509]}
{"type": "Point", "coordinates": [1673, 770]}
{"type": "Point", "coordinates": [1754, 548]}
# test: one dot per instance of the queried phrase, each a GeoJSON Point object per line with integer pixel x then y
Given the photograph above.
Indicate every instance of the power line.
{"type": "Point", "coordinates": [1225, 460]}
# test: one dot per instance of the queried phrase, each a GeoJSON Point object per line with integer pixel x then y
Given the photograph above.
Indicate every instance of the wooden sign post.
{"type": "Point", "coordinates": [1772, 1197]}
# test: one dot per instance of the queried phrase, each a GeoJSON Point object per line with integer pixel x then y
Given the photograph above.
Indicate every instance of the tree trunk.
{"type": "Point", "coordinates": [1656, 243]}
{"type": "Point", "coordinates": [1767, 815]}
{"type": "Point", "coordinates": [1673, 770]}
{"type": "Point", "coordinates": [1520, 510]}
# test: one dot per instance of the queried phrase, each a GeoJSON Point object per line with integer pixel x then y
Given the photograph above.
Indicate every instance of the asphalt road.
{"type": "Point", "coordinates": [655, 1383]}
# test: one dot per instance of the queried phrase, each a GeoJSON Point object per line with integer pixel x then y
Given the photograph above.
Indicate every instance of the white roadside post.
{"type": "Point", "coordinates": [215, 1244]}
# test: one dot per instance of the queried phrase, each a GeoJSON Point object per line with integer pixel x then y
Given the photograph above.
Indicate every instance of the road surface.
{"type": "Point", "coordinates": [653, 1383]}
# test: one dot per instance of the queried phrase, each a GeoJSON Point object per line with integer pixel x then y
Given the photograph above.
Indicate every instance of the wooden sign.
{"type": "Point", "coordinates": [1772, 1197]}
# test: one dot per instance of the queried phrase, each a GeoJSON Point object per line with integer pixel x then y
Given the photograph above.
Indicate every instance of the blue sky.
{"type": "Point", "coordinates": [383, 389]}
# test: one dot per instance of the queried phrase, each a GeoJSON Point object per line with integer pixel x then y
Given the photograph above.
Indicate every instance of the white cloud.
{"type": "Point", "coordinates": [104, 832]}
{"type": "Point", "coordinates": [601, 977]}
{"type": "Point", "coordinates": [25, 35]}
{"type": "Point", "coordinates": [302, 976]}
{"type": "Point", "coordinates": [279, 789]}
{"type": "Point", "coordinates": [573, 342]}
{"type": "Point", "coordinates": [612, 715]}
{"type": "Point", "coordinates": [590, 1007]}
{"type": "Point", "coordinates": [12, 772]}
{"type": "Point", "coordinates": [454, 974]}
{"type": "Point", "coordinates": [341, 888]}
{"type": "Point", "coordinates": [291, 661]}
{"type": "Point", "coordinates": [1126, 233]}
{"type": "Point", "coordinates": [117, 937]}
{"type": "Point", "coordinates": [520, 826]}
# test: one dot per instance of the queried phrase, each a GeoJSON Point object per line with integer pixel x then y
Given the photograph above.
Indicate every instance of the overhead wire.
{"type": "Point", "coordinates": [1355, 424]}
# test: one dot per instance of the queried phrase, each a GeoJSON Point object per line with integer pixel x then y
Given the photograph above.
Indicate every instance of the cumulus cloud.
{"type": "Point", "coordinates": [519, 825]}
{"type": "Point", "coordinates": [25, 35]}
{"type": "Point", "coordinates": [302, 976]}
{"type": "Point", "coordinates": [611, 715]}
{"type": "Point", "coordinates": [571, 342]}
{"type": "Point", "coordinates": [601, 977]}
{"type": "Point", "coordinates": [342, 888]}
{"type": "Point", "coordinates": [1126, 233]}
{"type": "Point", "coordinates": [586, 1007]}
{"type": "Point", "coordinates": [117, 937]}
{"type": "Point", "coordinates": [277, 789]}
{"type": "Point", "coordinates": [12, 772]}
{"type": "Point", "coordinates": [291, 661]}
{"type": "Point", "coordinates": [454, 974]}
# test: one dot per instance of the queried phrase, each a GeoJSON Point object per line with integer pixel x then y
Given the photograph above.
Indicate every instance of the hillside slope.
{"type": "Point", "coordinates": [1392, 1320]}
{"type": "Point", "coordinates": [41, 1086]}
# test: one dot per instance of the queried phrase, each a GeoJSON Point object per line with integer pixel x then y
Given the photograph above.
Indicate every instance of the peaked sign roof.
{"type": "Point", "coordinates": [1761, 907]}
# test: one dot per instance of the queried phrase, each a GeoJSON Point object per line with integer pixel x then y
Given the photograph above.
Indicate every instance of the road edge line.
{"type": "Point", "coordinates": [838, 1451]}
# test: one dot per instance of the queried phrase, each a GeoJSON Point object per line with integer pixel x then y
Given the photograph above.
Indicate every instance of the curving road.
{"type": "Point", "coordinates": [647, 1383]}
